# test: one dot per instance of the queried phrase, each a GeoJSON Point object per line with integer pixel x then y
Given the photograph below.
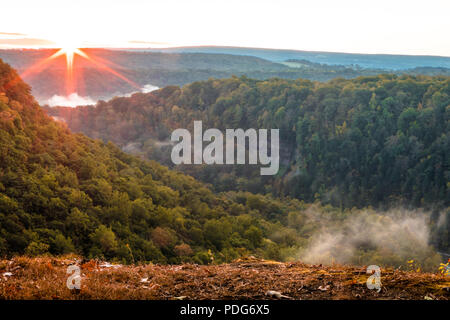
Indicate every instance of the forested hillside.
{"type": "Point", "coordinates": [62, 192]}
{"type": "Point", "coordinates": [381, 141]}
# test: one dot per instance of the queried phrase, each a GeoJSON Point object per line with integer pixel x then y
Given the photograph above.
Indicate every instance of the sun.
{"type": "Point", "coordinates": [69, 52]}
{"type": "Point", "coordinates": [69, 46]}
{"type": "Point", "coordinates": [70, 49]}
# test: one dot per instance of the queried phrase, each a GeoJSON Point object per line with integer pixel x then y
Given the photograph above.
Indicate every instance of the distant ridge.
{"type": "Point", "coordinates": [378, 61]}
{"type": "Point", "coordinates": [180, 66]}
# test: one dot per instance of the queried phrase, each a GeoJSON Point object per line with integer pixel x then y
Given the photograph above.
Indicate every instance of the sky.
{"type": "Point", "coordinates": [383, 26]}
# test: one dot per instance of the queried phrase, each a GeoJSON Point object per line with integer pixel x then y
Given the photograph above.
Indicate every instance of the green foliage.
{"type": "Point", "coordinates": [104, 239]}
{"type": "Point", "coordinates": [36, 248]}
{"type": "Point", "coordinates": [379, 141]}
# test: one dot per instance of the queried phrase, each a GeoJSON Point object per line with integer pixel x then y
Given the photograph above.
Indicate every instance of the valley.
{"type": "Point", "coordinates": [62, 192]}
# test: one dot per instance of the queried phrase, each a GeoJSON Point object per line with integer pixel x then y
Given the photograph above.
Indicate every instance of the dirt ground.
{"type": "Point", "coordinates": [46, 278]}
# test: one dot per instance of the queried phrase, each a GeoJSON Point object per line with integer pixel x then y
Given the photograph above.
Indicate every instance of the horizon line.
{"type": "Point", "coordinates": [229, 47]}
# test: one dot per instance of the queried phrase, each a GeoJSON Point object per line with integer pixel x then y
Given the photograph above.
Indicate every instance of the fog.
{"type": "Point", "coordinates": [73, 100]}
{"type": "Point", "coordinates": [384, 238]}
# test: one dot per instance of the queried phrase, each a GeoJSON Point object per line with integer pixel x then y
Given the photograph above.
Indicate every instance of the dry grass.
{"type": "Point", "coordinates": [45, 278]}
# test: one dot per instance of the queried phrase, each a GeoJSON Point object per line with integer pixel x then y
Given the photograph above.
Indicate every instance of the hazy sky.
{"type": "Point", "coordinates": [382, 26]}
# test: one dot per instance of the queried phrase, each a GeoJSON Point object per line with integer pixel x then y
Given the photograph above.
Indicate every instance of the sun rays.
{"type": "Point", "coordinates": [72, 73]}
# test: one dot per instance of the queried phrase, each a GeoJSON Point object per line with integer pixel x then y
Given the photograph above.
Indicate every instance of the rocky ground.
{"type": "Point", "coordinates": [46, 278]}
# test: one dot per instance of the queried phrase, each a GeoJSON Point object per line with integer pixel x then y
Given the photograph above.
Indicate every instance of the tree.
{"type": "Point", "coordinates": [104, 239]}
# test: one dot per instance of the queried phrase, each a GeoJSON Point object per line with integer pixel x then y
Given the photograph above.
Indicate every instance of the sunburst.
{"type": "Point", "coordinates": [70, 51]}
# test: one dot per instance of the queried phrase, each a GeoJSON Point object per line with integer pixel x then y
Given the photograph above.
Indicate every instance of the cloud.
{"type": "Point", "coordinates": [72, 100]}
{"type": "Point", "coordinates": [145, 89]}
{"type": "Point", "coordinates": [26, 42]}
{"type": "Point", "coordinates": [148, 42]}
{"type": "Point", "coordinates": [149, 88]}
{"type": "Point", "coordinates": [11, 34]}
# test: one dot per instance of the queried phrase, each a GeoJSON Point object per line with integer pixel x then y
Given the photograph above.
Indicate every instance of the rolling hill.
{"type": "Point", "coordinates": [180, 68]}
{"type": "Point", "coordinates": [368, 61]}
